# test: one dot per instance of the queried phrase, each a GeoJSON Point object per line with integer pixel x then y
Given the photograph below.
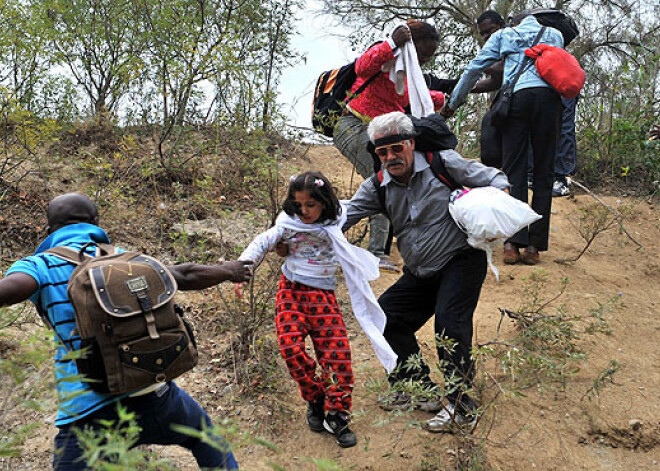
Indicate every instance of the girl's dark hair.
{"type": "Point", "coordinates": [421, 30]}
{"type": "Point", "coordinates": [323, 193]}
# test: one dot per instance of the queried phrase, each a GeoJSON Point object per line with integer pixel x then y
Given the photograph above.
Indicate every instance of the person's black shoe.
{"type": "Point", "coordinates": [315, 416]}
{"type": "Point", "coordinates": [337, 424]}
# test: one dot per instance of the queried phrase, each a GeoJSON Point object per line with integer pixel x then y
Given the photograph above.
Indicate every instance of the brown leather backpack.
{"type": "Point", "coordinates": [133, 333]}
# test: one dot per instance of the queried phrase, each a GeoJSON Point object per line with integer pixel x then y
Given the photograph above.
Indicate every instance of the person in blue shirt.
{"type": "Point", "coordinates": [566, 159]}
{"type": "Point", "coordinates": [43, 278]}
{"type": "Point", "coordinates": [534, 116]}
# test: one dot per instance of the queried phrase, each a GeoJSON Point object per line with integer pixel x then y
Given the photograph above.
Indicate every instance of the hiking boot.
{"type": "Point", "coordinates": [560, 187]}
{"type": "Point", "coordinates": [511, 254]}
{"type": "Point", "coordinates": [337, 424]}
{"type": "Point", "coordinates": [315, 416]}
{"type": "Point", "coordinates": [385, 264]}
{"type": "Point", "coordinates": [400, 400]}
{"type": "Point", "coordinates": [530, 256]}
{"type": "Point", "coordinates": [448, 420]}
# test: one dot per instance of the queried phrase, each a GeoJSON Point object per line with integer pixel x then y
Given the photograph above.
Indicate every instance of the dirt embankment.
{"type": "Point", "coordinates": [619, 429]}
{"type": "Point", "coordinates": [556, 429]}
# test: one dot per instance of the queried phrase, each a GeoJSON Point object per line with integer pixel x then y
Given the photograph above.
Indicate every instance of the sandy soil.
{"type": "Point", "coordinates": [619, 429]}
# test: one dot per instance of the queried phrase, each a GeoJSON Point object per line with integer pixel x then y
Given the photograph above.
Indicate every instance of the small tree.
{"type": "Point", "coordinates": [22, 62]}
{"type": "Point", "coordinates": [100, 44]}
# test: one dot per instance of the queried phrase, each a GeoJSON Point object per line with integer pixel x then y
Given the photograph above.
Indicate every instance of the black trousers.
{"type": "Point", "coordinates": [534, 117]}
{"type": "Point", "coordinates": [452, 295]}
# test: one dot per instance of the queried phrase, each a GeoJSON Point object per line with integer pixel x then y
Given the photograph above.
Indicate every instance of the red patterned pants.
{"type": "Point", "coordinates": [300, 311]}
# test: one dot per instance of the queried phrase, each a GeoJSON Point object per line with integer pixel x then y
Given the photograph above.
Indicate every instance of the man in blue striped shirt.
{"type": "Point", "coordinates": [43, 278]}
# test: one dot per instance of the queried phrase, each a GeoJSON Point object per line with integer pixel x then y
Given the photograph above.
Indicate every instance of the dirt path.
{"type": "Point", "coordinates": [561, 430]}
{"type": "Point", "coordinates": [541, 431]}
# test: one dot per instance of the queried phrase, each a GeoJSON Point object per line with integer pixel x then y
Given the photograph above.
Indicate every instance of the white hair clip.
{"type": "Point", "coordinates": [318, 182]}
{"type": "Point", "coordinates": [292, 178]}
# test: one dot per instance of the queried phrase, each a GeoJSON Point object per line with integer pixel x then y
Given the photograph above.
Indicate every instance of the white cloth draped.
{"type": "Point", "coordinates": [359, 267]}
{"type": "Point", "coordinates": [406, 69]}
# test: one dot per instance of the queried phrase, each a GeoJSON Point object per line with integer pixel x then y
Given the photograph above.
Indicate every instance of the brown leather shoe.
{"type": "Point", "coordinates": [530, 256]}
{"type": "Point", "coordinates": [511, 254]}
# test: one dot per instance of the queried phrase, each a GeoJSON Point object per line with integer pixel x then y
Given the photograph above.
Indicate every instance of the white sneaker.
{"type": "Point", "coordinates": [447, 420]}
{"type": "Point", "coordinates": [560, 188]}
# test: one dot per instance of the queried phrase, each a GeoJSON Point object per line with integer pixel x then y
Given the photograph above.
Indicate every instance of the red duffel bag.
{"type": "Point", "coordinates": [559, 68]}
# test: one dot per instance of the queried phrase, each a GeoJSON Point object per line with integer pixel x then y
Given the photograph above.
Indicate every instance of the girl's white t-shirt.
{"type": "Point", "coordinates": [311, 259]}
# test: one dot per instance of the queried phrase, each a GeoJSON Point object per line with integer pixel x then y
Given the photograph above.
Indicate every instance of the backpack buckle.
{"type": "Point", "coordinates": [140, 288]}
{"type": "Point", "coordinates": [147, 310]}
{"type": "Point", "coordinates": [136, 285]}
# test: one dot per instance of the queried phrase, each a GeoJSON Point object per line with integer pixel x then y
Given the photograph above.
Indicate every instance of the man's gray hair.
{"type": "Point", "coordinates": [389, 124]}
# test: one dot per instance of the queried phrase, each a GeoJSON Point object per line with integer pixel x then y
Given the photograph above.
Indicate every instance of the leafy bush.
{"type": "Point", "coordinates": [547, 349]}
{"type": "Point", "coordinates": [24, 375]}
{"type": "Point", "coordinates": [620, 154]}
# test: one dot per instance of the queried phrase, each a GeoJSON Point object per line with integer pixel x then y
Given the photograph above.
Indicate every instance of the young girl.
{"type": "Point", "coordinates": [310, 226]}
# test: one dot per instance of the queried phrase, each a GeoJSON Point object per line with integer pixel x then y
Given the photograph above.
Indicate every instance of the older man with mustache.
{"type": "Point", "coordinates": [442, 274]}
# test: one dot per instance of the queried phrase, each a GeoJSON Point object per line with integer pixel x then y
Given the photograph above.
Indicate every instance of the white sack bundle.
{"type": "Point", "coordinates": [488, 216]}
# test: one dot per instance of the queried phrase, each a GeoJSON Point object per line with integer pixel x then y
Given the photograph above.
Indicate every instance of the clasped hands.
{"type": "Point", "coordinates": [281, 249]}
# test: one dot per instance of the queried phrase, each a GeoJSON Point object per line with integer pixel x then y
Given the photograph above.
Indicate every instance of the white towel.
{"type": "Point", "coordinates": [359, 267]}
{"type": "Point", "coordinates": [407, 66]}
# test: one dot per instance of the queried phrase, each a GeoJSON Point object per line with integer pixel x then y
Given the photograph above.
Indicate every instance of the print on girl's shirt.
{"type": "Point", "coordinates": [310, 247]}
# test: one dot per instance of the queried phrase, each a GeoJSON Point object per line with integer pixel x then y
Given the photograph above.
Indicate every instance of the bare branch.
{"type": "Point", "coordinates": [617, 215]}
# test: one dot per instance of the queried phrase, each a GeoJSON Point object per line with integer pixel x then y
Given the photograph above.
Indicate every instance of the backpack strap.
{"type": "Point", "coordinates": [380, 191]}
{"type": "Point", "coordinates": [106, 249]}
{"type": "Point", "coordinates": [75, 257]}
{"type": "Point", "coordinates": [362, 88]}
{"type": "Point", "coordinates": [78, 256]}
{"type": "Point", "coordinates": [525, 60]}
{"type": "Point", "coordinates": [68, 254]}
{"type": "Point", "coordinates": [439, 169]}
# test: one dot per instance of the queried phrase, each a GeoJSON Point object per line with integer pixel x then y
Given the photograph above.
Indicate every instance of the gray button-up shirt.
{"type": "Point", "coordinates": [427, 236]}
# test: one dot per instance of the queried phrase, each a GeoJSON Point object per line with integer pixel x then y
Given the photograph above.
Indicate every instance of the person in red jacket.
{"type": "Point", "coordinates": [380, 97]}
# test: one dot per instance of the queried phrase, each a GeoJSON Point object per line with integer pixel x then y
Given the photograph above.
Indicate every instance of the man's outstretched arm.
{"type": "Point", "coordinates": [191, 276]}
{"type": "Point", "coordinates": [16, 288]}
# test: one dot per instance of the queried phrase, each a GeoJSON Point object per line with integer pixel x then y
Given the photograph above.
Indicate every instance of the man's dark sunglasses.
{"type": "Point", "coordinates": [396, 148]}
